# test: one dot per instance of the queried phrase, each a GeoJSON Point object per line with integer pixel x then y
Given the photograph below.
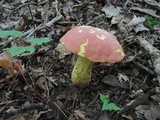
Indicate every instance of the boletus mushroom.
{"type": "Point", "coordinates": [91, 45]}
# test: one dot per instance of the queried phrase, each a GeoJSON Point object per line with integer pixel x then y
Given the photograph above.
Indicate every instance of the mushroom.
{"type": "Point", "coordinates": [91, 45]}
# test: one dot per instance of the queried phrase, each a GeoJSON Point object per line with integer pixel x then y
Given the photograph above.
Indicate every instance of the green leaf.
{"type": "Point", "coordinates": [19, 50]}
{"type": "Point", "coordinates": [152, 22]}
{"type": "Point", "coordinates": [104, 99]}
{"type": "Point", "coordinates": [39, 41]}
{"type": "Point", "coordinates": [110, 106]}
{"type": "Point", "coordinates": [106, 105]}
{"type": "Point", "coordinates": [13, 33]}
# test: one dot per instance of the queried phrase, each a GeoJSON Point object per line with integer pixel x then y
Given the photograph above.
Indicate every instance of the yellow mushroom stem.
{"type": "Point", "coordinates": [81, 73]}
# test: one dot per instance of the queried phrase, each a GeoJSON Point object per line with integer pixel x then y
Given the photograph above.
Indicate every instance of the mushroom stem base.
{"type": "Point", "coordinates": [81, 73]}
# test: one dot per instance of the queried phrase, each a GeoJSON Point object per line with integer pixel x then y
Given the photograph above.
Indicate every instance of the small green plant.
{"type": "Point", "coordinates": [152, 22]}
{"type": "Point", "coordinates": [22, 49]}
{"type": "Point", "coordinates": [106, 105]}
{"type": "Point", "coordinates": [39, 41]}
{"type": "Point", "coordinates": [6, 33]}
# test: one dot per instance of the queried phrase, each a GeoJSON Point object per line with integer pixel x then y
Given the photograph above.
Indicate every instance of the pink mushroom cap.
{"type": "Point", "coordinates": [93, 43]}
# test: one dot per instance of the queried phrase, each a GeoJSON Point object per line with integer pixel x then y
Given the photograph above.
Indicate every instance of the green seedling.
{"type": "Point", "coordinates": [20, 50]}
{"type": "Point", "coordinates": [39, 41]}
{"type": "Point", "coordinates": [152, 22]}
{"type": "Point", "coordinates": [6, 33]}
{"type": "Point", "coordinates": [106, 105]}
{"type": "Point", "coordinates": [17, 50]}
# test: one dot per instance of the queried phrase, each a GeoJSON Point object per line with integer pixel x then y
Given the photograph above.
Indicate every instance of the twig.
{"type": "Point", "coordinates": [46, 12]}
{"type": "Point", "coordinates": [73, 14]}
{"type": "Point", "coordinates": [57, 7]}
{"type": "Point", "coordinates": [154, 53]}
{"type": "Point", "coordinates": [21, 72]}
{"type": "Point", "coordinates": [26, 4]}
{"type": "Point", "coordinates": [49, 24]}
{"type": "Point", "coordinates": [60, 109]}
{"type": "Point", "coordinates": [144, 68]}
{"type": "Point", "coordinates": [154, 3]}
{"type": "Point", "coordinates": [125, 5]}
{"type": "Point", "coordinates": [2, 1]}
{"type": "Point", "coordinates": [30, 11]}
{"type": "Point", "coordinates": [39, 106]}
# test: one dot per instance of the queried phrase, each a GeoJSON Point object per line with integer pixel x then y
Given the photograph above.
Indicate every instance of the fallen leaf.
{"type": "Point", "coordinates": [136, 93]}
{"type": "Point", "coordinates": [116, 19]}
{"type": "Point", "coordinates": [136, 20]}
{"type": "Point", "coordinates": [140, 27]}
{"type": "Point", "coordinates": [62, 51]}
{"type": "Point", "coordinates": [128, 117]}
{"type": "Point", "coordinates": [140, 110]}
{"type": "Point", "coordinates": [153, 113]}
{"type": "Point", "coordinates": [11, 109]}
{"type": "Point", "coordinates": [26, 22]}
{"type": "Point", "coordinates": [156, 97]}
{"type": "Point", "coordinates": [114, 81]}
{"type": "Point", "coordinates": [150, 112]}
{"type": "Point", "coordinates": [122, 77]}
{"type": "Point", "coordinates": [41, 82]}
{"type": "Point", "coordinates": [10, 64]}
{"type": "Point", "coordinates": [110, 10]}
{"type": "Point", "coordinates": [79, 114]}
{"type": "Point", "coordinates": [38, 72]}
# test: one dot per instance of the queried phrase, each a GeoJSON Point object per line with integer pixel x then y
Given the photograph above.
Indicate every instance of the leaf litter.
{"type": "Point", "coordinates": [132, 84]}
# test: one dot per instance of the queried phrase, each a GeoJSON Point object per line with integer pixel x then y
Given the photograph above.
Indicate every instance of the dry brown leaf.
{"type": "Point", "coordinates": [26, 22]}
{"type": "Point", "coordinates": [41, 82]}
{"type": "Point", "coordinates": [11, 109]}
{"type": "Point", "coordinates": [10, 64]}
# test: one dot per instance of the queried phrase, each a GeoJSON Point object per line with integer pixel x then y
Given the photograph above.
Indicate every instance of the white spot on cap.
{"type": "Point", "coordinates": [101, 37]}
{"type": "Point", "coordinates": [120, 51]}
{"type": "Point", "coordinates": [92, 31]}
{"type": "Point", "coordinates": [80, 31]}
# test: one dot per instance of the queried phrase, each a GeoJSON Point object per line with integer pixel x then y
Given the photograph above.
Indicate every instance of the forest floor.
{"type": "Point", "coordinates": [43, 89]}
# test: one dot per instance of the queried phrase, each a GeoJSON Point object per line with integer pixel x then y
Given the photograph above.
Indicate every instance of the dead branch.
{"type": "Point", "coordinates": [39, 106]}
{"type": "Point", "coordinates": [154, 53]}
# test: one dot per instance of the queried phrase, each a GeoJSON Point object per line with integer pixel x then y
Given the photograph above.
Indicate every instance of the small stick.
{"type": "Point", "coordinates": [48, 24]}
{"type": "Point", "coordinates": [154, 53]}
{"type": "Point", "coordinates": [39, 106]}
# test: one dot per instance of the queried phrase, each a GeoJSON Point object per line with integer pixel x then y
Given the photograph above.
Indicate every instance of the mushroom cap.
{"type": "Point", "coordinates": [93, 43]}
